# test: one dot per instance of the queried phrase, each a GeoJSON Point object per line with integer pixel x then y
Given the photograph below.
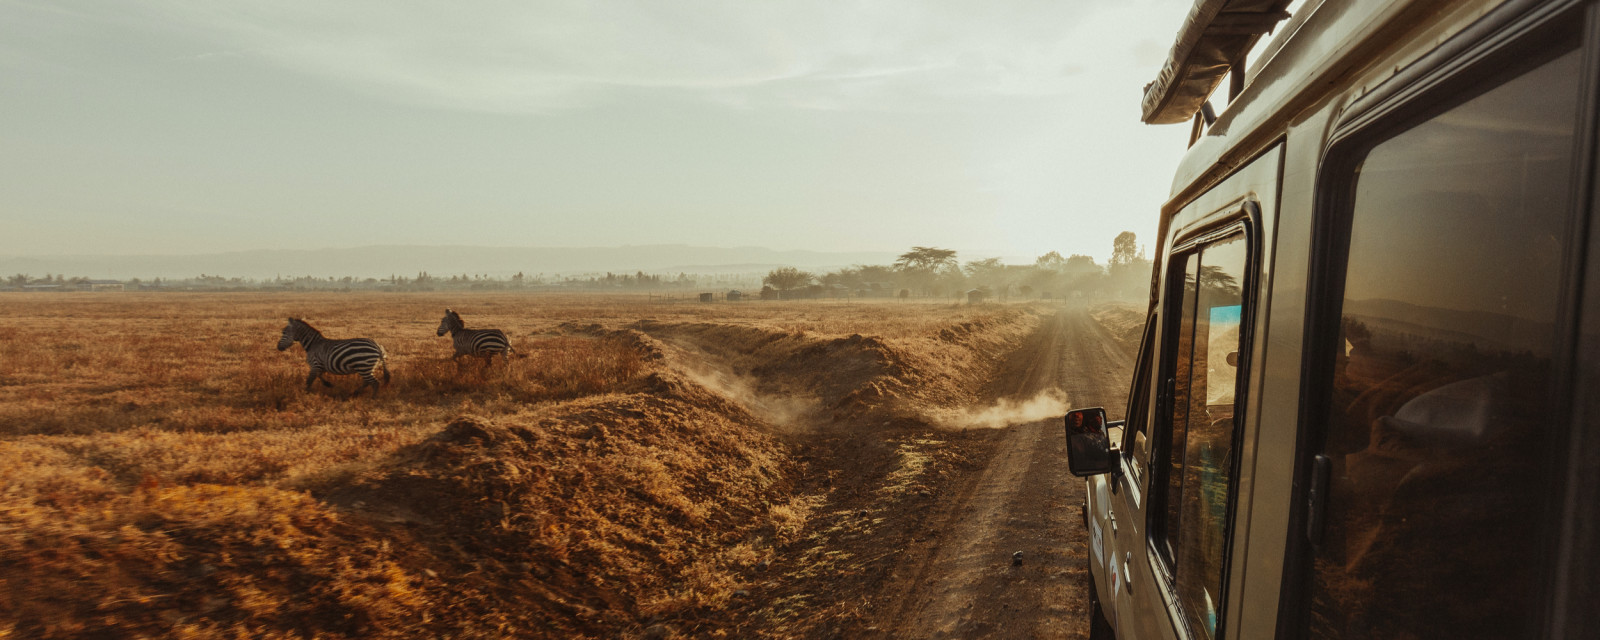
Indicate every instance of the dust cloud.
{"type": "Point", "coordinates": [787, 412]}
{"type": "Point", "coordinates": [1050, 403]}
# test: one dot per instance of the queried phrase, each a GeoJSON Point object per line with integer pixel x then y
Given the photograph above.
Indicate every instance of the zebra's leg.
{"type": "Point", "coordinates": [324, 380]}
{"type": "Point", "coordinates": [369, 380]}
{"type": "Point", "coordinates": [312, 379]}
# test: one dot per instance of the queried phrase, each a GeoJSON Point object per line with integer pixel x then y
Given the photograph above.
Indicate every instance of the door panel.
{"type": "Point", "coordinates": [1178, 551]}
{"type": "Point", "coordinates": [1432, 455]}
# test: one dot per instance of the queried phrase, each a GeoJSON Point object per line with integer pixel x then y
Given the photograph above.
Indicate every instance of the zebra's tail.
{"type": "Point", "coordinates": [383, 359]}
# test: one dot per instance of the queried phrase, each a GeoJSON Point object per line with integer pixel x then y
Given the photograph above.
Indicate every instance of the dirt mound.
{"type": "Point", "coordinates": [609, 514]}
{"type": "Point", "coordinates": [849, 380]}
{"type": "Point", "coordinates": [1125, 321]}
{"type": "Point", "coordinates": [591, 517]}
{"type": "Point", "coordinates": [644, 345]}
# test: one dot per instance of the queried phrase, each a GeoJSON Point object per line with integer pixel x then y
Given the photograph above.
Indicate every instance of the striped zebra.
{"type": "Point", "coordinates": [483, 343]}
{"type": "Point", "coordinates": [358, 356]}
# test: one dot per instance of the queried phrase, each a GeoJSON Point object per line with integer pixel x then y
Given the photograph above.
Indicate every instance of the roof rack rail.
{"type": "Point", "coordinates": [1213, 41]}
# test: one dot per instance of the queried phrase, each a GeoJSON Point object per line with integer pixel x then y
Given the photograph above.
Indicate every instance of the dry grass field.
{"type": "Point", "coordinates": [164, 473]}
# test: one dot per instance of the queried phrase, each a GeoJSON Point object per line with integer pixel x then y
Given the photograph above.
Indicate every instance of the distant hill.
{"type": "Point", "coordinates": [1483, 328]}
{"type": "Point", "coordinates": [383, 261]}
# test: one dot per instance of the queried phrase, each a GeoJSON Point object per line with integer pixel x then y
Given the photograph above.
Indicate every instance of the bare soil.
{"type": "Point", "coordinates": [938, 560]}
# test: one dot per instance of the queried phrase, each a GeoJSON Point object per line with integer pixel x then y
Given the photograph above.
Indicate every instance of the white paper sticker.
{"type": "Point", "coordinates": [1094, 542]}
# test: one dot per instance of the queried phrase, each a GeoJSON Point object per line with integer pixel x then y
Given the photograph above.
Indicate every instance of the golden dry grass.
{"type": "Point", "coordinates": [164, 472]}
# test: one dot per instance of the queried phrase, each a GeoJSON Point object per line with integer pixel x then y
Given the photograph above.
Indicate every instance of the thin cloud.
{"type": "Point", "coordinates": [1011, 124]}
{"type": "Point", "coordinates": [518, 57]}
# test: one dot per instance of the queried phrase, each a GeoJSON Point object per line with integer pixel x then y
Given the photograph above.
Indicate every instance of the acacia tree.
{"type": "Point", "coordinates": [845, 277]}
{"type": "Point", "coordinates": [991, 273]}
{"type": "Point", "coordinates": [1080, 263]}
{"type": "Point", "coordinates": [922, 266]}
{"type": "Point", "coordinates": [785, 278]}
{"type": "Point", "coordinates": [1050, 262]}
{"type": "Point", "coordinates": [1124, 248]}
{"type": "Point", "coordinates": [1128, 268]}
{"type": "Point", "coordinates": [929, 258]}
{"type": "Point", "coordinates": [863, 276]}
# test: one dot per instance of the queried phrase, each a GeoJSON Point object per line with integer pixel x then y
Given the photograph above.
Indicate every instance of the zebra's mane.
{"type": "Point", "coordinates": [305, 324]}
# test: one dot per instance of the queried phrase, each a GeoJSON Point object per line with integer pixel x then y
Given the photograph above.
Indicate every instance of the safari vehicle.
{"type": "Point", "coordinates": [1364, 405]}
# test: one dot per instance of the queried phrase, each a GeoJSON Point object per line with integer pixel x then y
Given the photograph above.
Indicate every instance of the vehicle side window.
{"type": "Point", "coordinates": [1439, 415]}
{"type": "Point", "coordinates": [1192, 488]}
{"type": "Point", "coordinates": [1139, 397]}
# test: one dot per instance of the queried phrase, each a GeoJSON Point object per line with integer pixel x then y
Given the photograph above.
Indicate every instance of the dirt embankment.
{"type": "Point", "coordinates": [1124, 320]}
{"type": "Point", "coordinates": [887, 443]}
{"type": "Point", "coordinates": [678, 500]}
{"type": "Point", "coordinates": [807, 381]}
{"type": "Point", "coordinates": [584, 518]}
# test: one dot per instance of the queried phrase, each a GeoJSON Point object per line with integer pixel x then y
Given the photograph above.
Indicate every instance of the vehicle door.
{"type": "Point", "coordinates": [1175, 501]}
{"type": "Point", "coordinates": [1188, 468]}
{"type": "Point", "coordinates": [1439, 351]}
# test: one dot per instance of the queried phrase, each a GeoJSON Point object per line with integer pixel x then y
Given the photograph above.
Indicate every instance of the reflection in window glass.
{"type": "Point", "coordinates": [1197, 450]}
{"type": "Point", "coordinates": [1170, 462]}
{"type": "Point", "coordinates": [1207, 457]}
{"type": "Point", "coordinates": [1438, 417]}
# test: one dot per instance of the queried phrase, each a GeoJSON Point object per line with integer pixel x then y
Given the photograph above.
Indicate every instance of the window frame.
{"type": "Point", "coordinates": [1487, 54]}
{"type": "Point", "coordinates": [1242, 216]}
{"type": "Point", "coordinates": [1136, 417]}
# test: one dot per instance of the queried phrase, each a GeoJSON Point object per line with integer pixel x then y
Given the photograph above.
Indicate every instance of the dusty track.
{"type": "Point", "coordinates": [959, 581]}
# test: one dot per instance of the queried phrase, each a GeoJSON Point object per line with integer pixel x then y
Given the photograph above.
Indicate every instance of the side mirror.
{"type": "Point", "coordinates": [1088, 446]}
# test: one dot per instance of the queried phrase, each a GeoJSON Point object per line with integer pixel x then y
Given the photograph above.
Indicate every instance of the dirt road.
{"type": "Point", "coordinates": [960, 581]}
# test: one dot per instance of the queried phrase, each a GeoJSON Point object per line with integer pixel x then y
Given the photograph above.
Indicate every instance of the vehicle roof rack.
{"type": "Point", "coordinates": [1214, 39]}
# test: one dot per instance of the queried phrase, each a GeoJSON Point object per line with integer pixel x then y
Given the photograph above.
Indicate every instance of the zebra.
{"type": "Point", "coordinates": [484, 343]}
{"type": "Point", "coordinates": [359, 356]}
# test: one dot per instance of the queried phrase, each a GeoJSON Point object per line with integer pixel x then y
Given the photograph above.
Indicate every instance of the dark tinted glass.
{"type": "Point", "coordinates": [1196, 455]}
{"type": "Point", "coordinates": [1207, 461]}
{"type": "Point", "coordinates": [1170, 460]}
{"type": "Point", "coordinates": [1440, 419]}
{"type": "Point", "coordinates": [1138, 408]}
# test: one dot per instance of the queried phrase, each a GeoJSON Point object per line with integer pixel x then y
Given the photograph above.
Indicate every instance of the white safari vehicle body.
{"type": "Point", "coordinates": [1365, 402]}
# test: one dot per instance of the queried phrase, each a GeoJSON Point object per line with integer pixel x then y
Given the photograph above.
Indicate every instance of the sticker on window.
{"type": "Point", "coordinates": [1222, 354]}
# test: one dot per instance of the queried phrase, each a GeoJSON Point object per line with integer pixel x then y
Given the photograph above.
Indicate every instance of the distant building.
{"type": "Point", "coordinates": [105, 285]}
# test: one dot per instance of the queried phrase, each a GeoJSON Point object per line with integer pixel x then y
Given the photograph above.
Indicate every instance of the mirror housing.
{"type": "Point", "coordinates": [1088, 445]}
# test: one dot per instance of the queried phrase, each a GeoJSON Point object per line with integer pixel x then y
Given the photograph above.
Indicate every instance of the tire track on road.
{"type": "Point", "coordinates": [964, 584]}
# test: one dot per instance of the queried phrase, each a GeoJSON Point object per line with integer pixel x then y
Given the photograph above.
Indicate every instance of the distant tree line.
{"type": "Point", "coordinates": [921, 272]}
{"type": "Point", "coordinates": [936, 272]}
{"type": "Point", "coordinates": [422, 281]}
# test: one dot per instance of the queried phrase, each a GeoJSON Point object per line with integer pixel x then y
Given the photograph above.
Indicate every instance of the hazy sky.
{"type": "Point", "coordinates": [165, 126]}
